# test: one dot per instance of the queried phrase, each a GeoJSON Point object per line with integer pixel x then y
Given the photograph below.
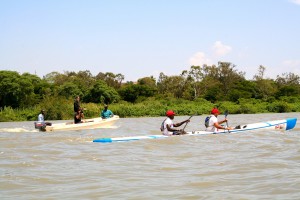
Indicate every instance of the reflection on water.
{"type": "Point", "coordinates": [250, 165]}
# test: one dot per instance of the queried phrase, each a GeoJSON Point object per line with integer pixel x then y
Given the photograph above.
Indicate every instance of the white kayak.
{"type": "Point", "coordinates": [87, 124]}
{"type": "Point", "coordinates": [285, 124]}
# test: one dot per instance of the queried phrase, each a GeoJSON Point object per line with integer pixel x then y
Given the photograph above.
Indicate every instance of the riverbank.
{"type": "Point", "coordinates": [62, 109]}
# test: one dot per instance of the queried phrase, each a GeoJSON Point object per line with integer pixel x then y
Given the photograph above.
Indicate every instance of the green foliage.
{"type": "Point", "coordinates": [131, 92]}
{"type": "Point", "coordinates": [69, 90]}
{"type": "Point", "coordinates": [288, 90]}
{"type": "Point", "coordinates": [57, 108]}
{"type": "Point", "coordinates": [228, 105]}
{"type": "Point", "coordinates": [248, 106]}
{"type": "Point", "coordinates": [213, 94]}
{"type": "Point", "coordinates": [17, 90]}
{"type": "Point", "coordinates": [102, 93]}
{"type": "Point", "coordinates": [7, 114]}
{"type": "Point", "coordinates": [193, 91]}
{"type": "Point", "coordinates": [279, 107]}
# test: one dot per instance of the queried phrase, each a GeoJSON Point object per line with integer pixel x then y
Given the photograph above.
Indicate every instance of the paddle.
{"type": "Point", "coordinates": [226, 113]}
{"type": "Point", "coordinates": [188, 122]}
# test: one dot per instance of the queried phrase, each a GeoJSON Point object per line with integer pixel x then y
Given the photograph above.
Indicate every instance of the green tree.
{"type": "Point", "coordinates": [288, 85]}
{"type": "Point", "coordinates": [131, 92]}
{"type": "Point", "coordinates": [243, 89]}
{"type": "Point", "coordinates": [149, 81]}
{"type": "Point", "coordinates": [194, 77]}
{"type": "Point", "coordinates": [69, 90]}
{"type": "Point", "coordinates": [174, 85]}
{"type": "Point", "coordinates": [102, 93]}
{"type": "Point", "coordinates": [265, 87]}
{"type": "Point", "coordinates": [16, 90]}
{"type": "Point", "coordinates": [228, 77]}
{"type": "Point", "coordinates": [111, 79]}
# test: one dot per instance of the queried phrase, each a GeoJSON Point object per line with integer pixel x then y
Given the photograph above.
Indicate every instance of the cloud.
{"type": "Point", "coordinates": [220, 49]}
{"type": "Point", "coordinates": [199, 58]}
{"type": "Point", "coordinates": [295, 2]}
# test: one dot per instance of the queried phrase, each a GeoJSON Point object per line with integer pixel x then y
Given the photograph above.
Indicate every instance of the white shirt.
{"type": "Point", "coordinates": [213, 119]}
{"type": "Point", "coordinates": [41, 118]}
{"type": "Point", "coordinates": [171, 124]}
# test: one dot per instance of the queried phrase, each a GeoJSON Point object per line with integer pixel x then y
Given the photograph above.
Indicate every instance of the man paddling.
{"type": "Point", "coordinates": [214, 124]}
{"type": "Point", "coordinates": [167, 127]}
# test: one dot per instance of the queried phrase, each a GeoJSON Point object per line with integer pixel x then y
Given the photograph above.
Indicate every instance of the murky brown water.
{"type": "Point", "coordinates": [67, 165]}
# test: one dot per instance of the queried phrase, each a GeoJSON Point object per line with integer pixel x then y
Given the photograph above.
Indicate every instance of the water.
{"type": "Point", "coordinates": [67, 165]}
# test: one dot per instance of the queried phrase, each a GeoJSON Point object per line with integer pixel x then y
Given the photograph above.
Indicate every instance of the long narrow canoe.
{"type": "Point", "coordinates": [286, 124]}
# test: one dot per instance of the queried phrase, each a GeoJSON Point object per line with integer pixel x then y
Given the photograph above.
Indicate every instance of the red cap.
{"type": "Point", "coordinates": [215, 111]}
{"type": "Point", "coordinates": [170, 113]}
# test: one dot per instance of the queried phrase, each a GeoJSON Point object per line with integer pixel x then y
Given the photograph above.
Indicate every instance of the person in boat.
{"type": "Point", "coordinates": [78, 111]}
{"type": "Point", "coordinates": [106, 113]}
{"type": "Point", "coordinates": [78, 117]}
{"type": "Point", "coordinates": [77, 104]}
{"type": "Point", "coordinates": [41, 120]}
{"type": "Point", "coordinates": [213, 123]}
{"type": "Point", "coordinates": [168, 125]}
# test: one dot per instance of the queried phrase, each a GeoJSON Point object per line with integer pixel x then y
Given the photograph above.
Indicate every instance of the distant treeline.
{"type": "Point", "coordinates": [195, 90]}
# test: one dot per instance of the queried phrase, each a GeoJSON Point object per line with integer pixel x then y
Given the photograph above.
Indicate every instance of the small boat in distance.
{"type": "Point", "coordinates": [70, 126]}
{"type": "Point", "coordinates": [285, 124]}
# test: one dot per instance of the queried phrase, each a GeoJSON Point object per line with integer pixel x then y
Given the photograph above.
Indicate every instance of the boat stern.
{"type": "Point", "coordinates": [291, 123]}
{"type": "Point", "coordinates": [40, 126]}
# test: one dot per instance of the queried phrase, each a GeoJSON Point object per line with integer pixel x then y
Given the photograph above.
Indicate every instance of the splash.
{"type": "Point", "coordinates": [16, 130]}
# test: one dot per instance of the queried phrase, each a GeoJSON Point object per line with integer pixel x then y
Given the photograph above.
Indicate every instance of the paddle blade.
{"type": "Point", "coordinates": [226, 113]}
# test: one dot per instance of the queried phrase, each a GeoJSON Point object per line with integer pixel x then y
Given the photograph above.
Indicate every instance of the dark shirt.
{"type": "Point", "coordinates": [76, 106]}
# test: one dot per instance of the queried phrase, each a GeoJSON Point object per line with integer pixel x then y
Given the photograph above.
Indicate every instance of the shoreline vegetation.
{"type": "Point", "coordinates": [195, 90]}
{"type": "Point", "coordinates": [62, 109]}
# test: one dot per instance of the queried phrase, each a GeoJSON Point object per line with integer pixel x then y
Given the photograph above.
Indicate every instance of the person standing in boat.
{"type": "Point", "coordinates": [77, 104]}
{"type": "Point", "coordinates": [41, 119]}
{"type": "Point", "coordinates": [78, 111]}
{"type": "Point", "coordinates": [214, 124]}
{"type": "Point", "coordinates": [78, 116]}
{"type": "Point", "coordinates": [168, 125]}
{"type": "Point", "coordinates": [105, 114]}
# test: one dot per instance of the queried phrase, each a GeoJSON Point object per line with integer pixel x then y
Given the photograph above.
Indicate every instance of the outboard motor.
{"type": "Point", "coordinates": [39, 125]}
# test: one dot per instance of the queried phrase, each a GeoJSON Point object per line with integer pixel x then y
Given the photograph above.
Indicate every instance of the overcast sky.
{"type": "Point", "coordinates": [140, 38]}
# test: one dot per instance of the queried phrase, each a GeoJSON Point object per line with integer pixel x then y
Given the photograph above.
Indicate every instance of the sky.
{"type": "Point", "coordinates": [142, 38]}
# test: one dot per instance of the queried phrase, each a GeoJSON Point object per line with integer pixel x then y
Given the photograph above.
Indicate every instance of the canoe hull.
{"type": "Point", "coordinates": [286, 124]}
{"type": "Point", "coordinates": [88, 124]}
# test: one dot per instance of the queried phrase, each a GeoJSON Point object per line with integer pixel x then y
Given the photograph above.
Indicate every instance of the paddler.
{"type": "Point", "coordinates": [214, 124]}
{"type": "Point", "coordinates": [167, 126]}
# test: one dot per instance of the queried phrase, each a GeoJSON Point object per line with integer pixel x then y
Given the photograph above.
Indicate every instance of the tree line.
{"type": "Point", "coordinates": [215, 83]}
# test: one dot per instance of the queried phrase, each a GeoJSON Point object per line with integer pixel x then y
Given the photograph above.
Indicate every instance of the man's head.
{"type": "Point", "coordinates": [215, 112]}
{"type": "Point", "coordinates": [170, 114]}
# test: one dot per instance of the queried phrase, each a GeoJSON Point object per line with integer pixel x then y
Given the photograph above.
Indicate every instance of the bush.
{"type": "Point", "coordinates": [62, 109]}
{"type": "Point", "coordinates": [279, 107]}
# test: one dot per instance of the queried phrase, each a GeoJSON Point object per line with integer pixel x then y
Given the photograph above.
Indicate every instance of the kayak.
{"type": "Point", "coordinates": [285, 124]}
{"type": "Point", "coordinates": [87, 124]}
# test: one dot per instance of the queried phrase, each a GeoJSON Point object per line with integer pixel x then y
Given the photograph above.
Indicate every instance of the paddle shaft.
{"type": "Point", "coordinates": [226, 113]}
{"type": "Point", "coordinates": [187, 122]}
